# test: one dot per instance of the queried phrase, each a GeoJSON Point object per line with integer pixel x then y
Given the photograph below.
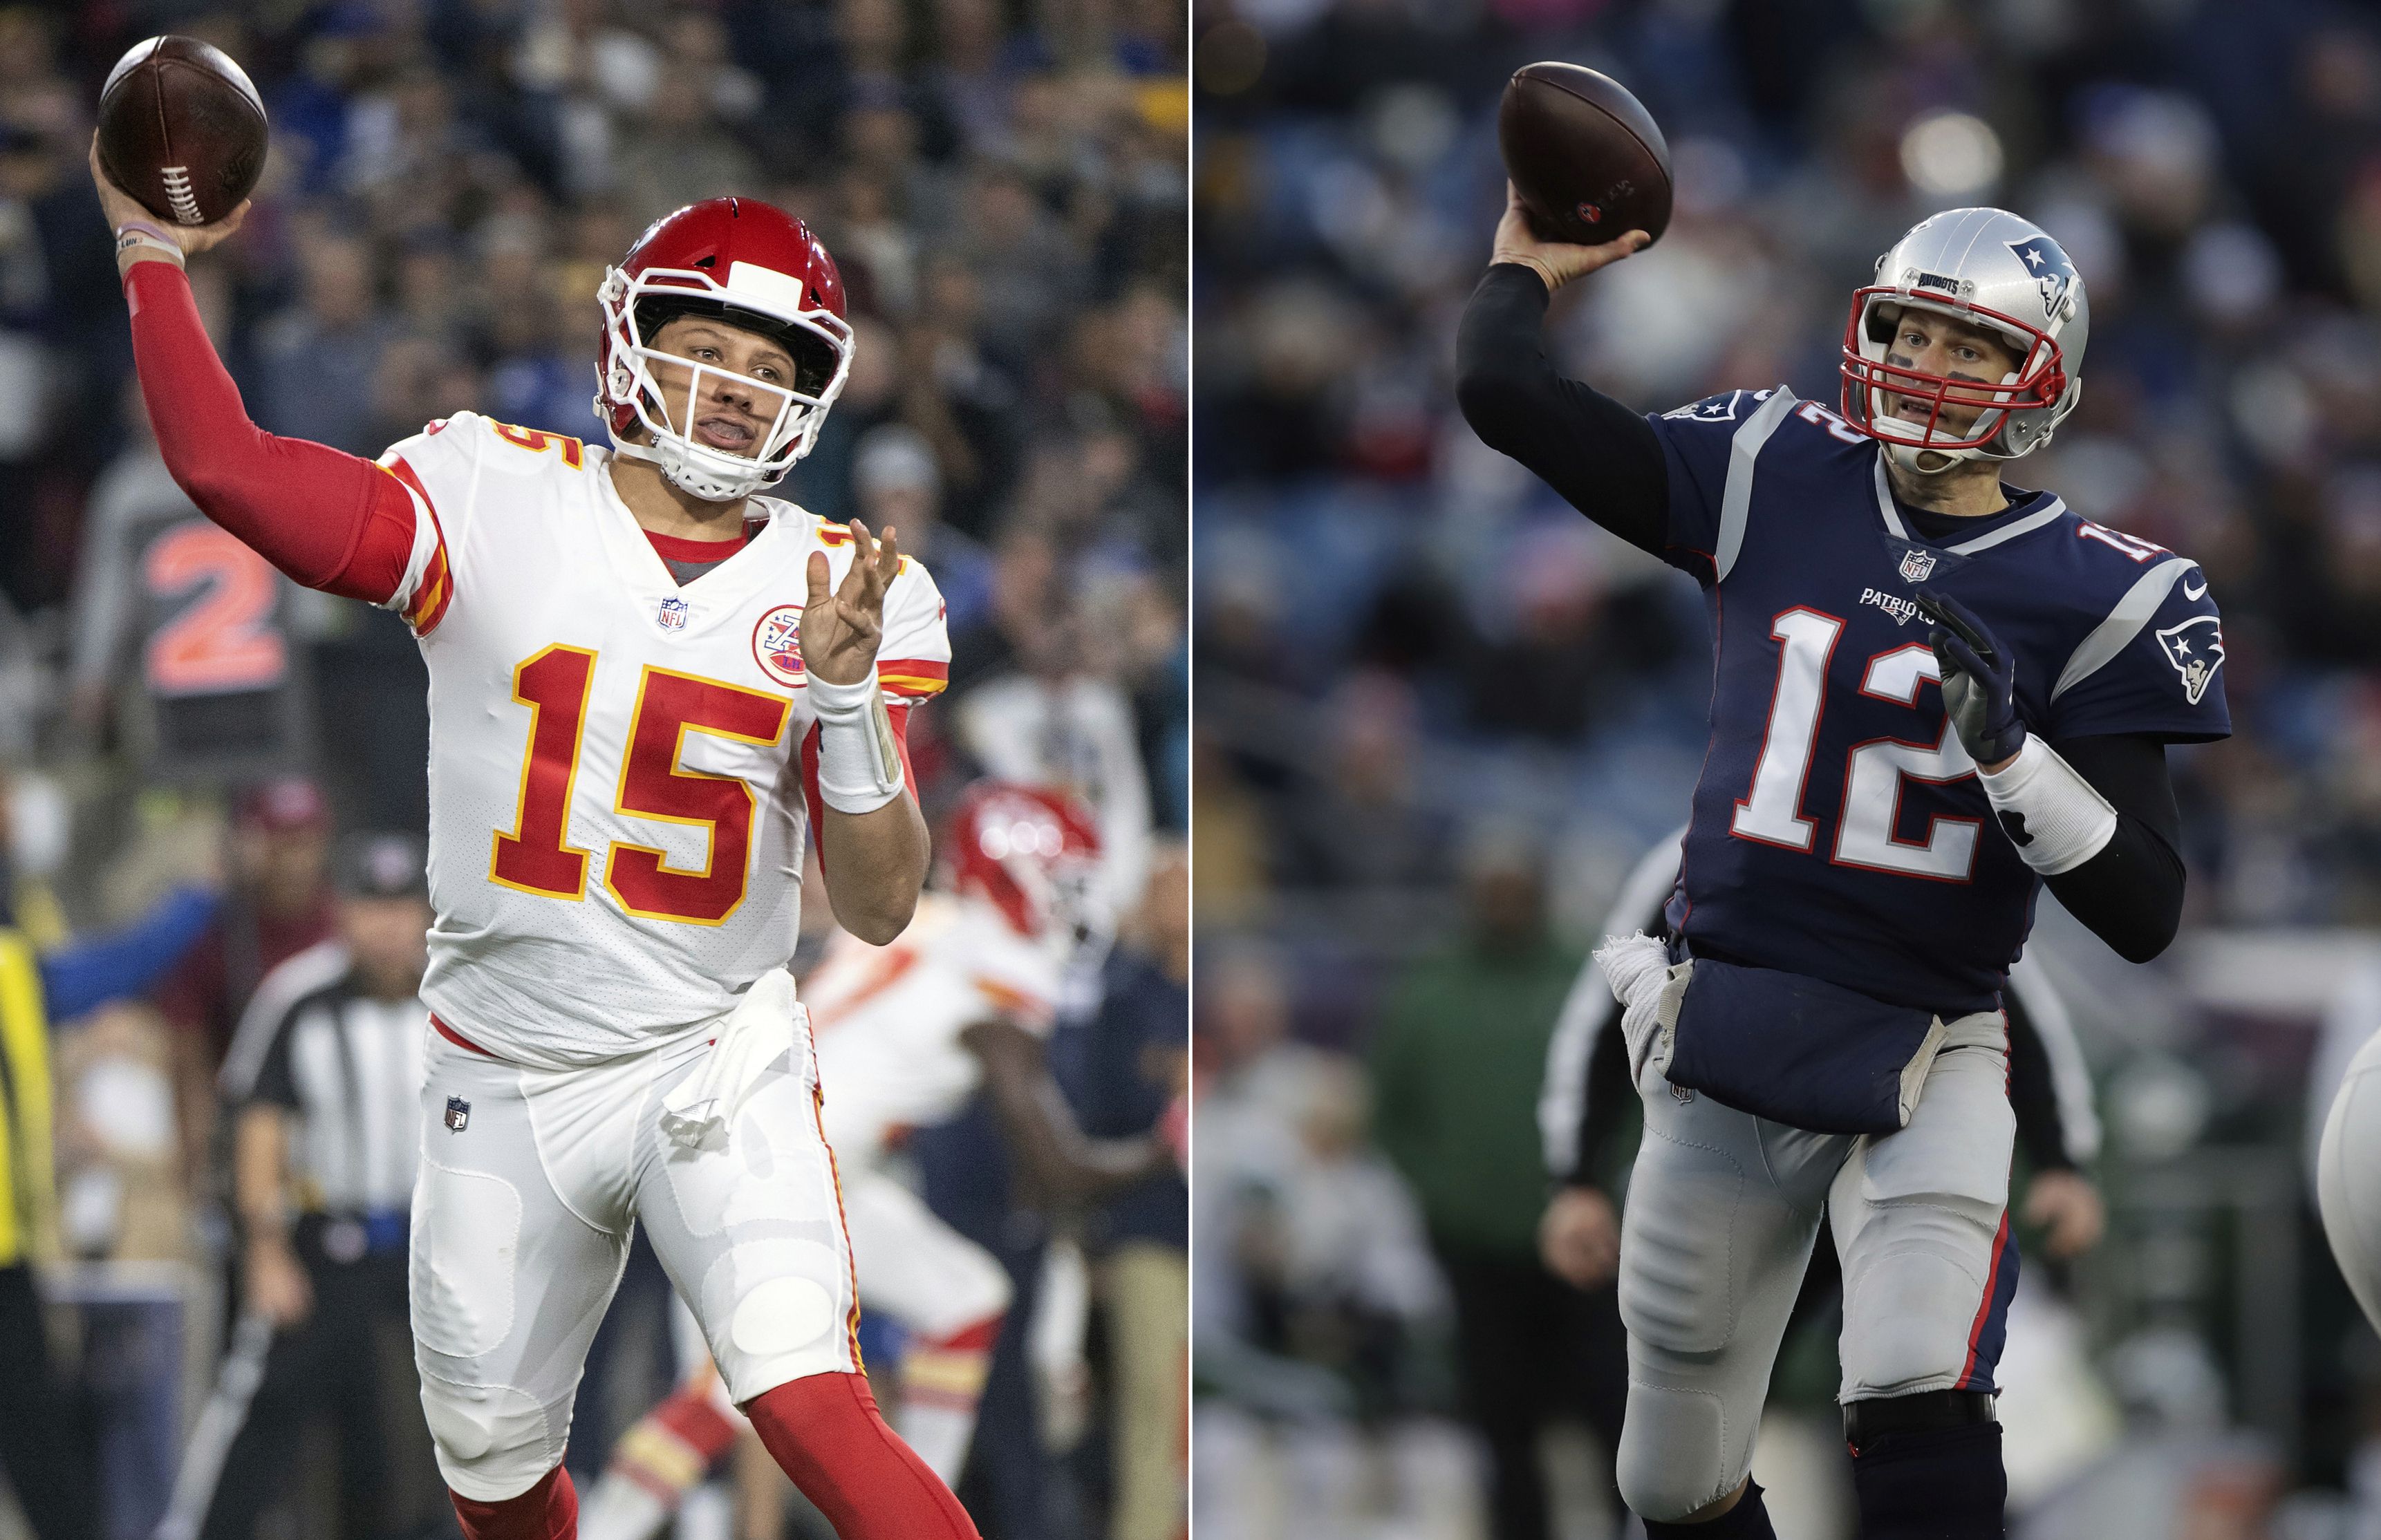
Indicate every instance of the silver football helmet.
{"type": "Point", "coordinates": [1988, 268]}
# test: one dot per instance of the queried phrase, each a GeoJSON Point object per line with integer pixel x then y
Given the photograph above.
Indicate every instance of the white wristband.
{"type": "Point", "coordinates": [859, 765]}
{"type": "Point", "coordinates": [2065, 820]}
{"type": "Point", "coordinates": [134, 234]}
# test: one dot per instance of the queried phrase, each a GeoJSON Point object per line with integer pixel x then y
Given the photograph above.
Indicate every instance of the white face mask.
{"type": "Point", "coordinates": [701, 469]}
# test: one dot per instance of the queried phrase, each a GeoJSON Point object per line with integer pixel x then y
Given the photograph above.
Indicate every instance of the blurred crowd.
{"type": "Point", "coordinates": [1005, 186]}
{"type": "Point", "coordinates": [1409, 655]}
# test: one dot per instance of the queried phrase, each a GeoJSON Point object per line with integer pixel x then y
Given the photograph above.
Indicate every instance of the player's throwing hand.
{"type": "Point", "coordinates": [840, 629]}
{"type": "Point", "coordinates": [1557, 261]}
{"type": "Point", "coordinates": [121, 209]}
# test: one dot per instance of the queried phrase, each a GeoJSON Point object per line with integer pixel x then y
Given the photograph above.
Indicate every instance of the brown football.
{"type": "Point", "coordinates": [182, 129]}
{"type": "Point", "coordinates": [1587, 157]}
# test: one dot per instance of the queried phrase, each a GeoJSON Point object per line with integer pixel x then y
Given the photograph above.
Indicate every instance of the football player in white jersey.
{"type": "Point", "coordinates": [648, 683]}
{"type": "Point", "coordinates": [906, 1034]}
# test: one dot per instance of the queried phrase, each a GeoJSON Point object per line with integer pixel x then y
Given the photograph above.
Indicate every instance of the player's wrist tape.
{"type": "Point", "coordinates": [2065, 821]}
{"type": "Point", "coordinates": [859, 765]}
{"type": "Point", "coordinates": [135, 234]}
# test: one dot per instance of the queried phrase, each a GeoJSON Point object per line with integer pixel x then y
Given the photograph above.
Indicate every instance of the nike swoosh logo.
{"type": "Point", "coordinates": [2191, 592]}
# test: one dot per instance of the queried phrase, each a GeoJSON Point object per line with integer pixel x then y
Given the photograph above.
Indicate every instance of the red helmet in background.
{"type": "Point", "coordinates": [756, 267]}
{"type": "Point", "coordinates": [1034, 854]}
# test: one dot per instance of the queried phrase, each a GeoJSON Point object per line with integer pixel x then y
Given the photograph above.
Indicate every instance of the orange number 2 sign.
{"type": "Point", "coordinates": [224, 641]}
{"type": "Point", "coordinates": [536, 856]}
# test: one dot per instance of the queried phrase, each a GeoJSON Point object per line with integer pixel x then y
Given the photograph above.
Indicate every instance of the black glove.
{"type": "Point", "coordinates": [1979, 680]}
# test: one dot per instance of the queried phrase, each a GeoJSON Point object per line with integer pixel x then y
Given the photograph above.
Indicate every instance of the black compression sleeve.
{"type": "Point", "coordinates": [2129, 895]}
{"type": "Point", "coordinates": [1601, 455]}
{"type": "Point", "coordinates": [2033, 1095]}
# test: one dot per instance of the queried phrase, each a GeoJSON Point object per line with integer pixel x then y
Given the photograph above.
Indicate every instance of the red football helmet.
{"type": "Point", "coordinates": [1034, 854]}
{"type": "Point", "coordinates": [753, 265]}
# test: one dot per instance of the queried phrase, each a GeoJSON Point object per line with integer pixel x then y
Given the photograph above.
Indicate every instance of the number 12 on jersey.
{"type": "Point", "coordinates": [537, 856]}
{"type": "Point", "coordinates": [1771, 812]}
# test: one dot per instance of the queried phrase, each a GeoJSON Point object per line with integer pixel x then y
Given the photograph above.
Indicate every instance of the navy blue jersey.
{"type": "Point", "coordinates": [1840, 829]}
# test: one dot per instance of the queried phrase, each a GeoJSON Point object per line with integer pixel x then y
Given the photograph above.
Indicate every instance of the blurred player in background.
{"type": "Point", "coordinates": [324, 1081]}
{"type": "Point", "coordinates": [649, 687]}
{"type": "Point", "coordinates": [1865, 851]}
{"type": "Point", "coordinates": [906, 1034]}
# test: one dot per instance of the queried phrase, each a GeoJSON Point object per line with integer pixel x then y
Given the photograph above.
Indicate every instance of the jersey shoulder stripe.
{"type": "Point", "coordinates": [2124, 622]}
{"type": "Point", "coordinates": [429, 577]}
{"type": "Point", "coordinates": [918, 678]}
{"type": "Point", "coordinates": [1735, 501]}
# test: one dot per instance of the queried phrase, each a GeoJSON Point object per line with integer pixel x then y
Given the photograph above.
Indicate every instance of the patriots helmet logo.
{"type": "Point", "coordinates": [2195, 647]}
{"type": "Point", "coordinates": [2045, 263]}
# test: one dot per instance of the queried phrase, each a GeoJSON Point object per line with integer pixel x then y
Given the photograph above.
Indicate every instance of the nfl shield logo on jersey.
{"type": "Point", "coordinates": [673, 615]}
{"type": "Point", "coordinates": [1916, 566]}
{"type": "Point", "coordinates": [458, 1114]}
{"type": "Point", "coordinates": [2197, 650]}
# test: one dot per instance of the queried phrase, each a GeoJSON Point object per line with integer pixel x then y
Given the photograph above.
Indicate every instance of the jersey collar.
{"type": "Point", "coordinates": [2007, 525]}
{"type": "Point", "coordinates": [641, 567]}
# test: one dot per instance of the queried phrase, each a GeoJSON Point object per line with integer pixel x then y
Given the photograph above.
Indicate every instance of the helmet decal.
{"type": "Point", "coordinates": [2051, 270]}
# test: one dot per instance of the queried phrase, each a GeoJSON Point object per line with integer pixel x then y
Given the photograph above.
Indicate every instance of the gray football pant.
{"type": "Point", "coordinates": [1722, 1211]}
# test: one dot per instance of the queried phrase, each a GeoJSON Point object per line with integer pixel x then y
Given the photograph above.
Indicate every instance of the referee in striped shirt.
{"type": "Point", "coordinates": [324, 1083]}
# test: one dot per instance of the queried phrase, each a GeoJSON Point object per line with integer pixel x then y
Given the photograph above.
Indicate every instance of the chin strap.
{"type": "Point", "coordinates": [707, 485]}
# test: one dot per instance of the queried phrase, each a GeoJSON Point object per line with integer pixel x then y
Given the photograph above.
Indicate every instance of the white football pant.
{"type": "Point", "coordinates": [521, 1221]}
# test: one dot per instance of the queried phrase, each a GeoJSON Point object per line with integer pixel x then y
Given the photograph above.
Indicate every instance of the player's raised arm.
{"type": "Point", "coordinates": [1597, 453]}
{"type": "Point", "coordinates": [329, 520]}
{"type": "Point", "coordinates": [872, 840]}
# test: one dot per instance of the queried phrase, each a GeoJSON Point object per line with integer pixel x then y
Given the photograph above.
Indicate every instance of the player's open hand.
{"type": "Point", "coordinates": [121, 207]}
{"type": "Point", "coordinates": [840, 629]}
{"type": "Point", "coordinates": [1979, 681]}
{"type": "Point", "coordinates": [1557, 261]}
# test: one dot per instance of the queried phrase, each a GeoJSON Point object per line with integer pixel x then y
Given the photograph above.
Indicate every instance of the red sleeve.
{"type": "Point", "coordinates": [331, 520]}
{"type": "Point", "coordinates": [900, 718]}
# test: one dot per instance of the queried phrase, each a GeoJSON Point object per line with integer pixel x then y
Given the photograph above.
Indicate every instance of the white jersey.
{"type": "Point", "coordinates": [887, 1019]}
{"type": "Point", "coordinates": [621, 770]}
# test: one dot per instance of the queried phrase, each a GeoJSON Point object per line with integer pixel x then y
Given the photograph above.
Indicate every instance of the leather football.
{"type": "Point", "coordinates": [1585, 155]}
{"type": "Point", "coordinates": [182, 129]}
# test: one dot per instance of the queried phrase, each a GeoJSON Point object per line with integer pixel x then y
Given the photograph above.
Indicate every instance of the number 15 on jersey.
{"type": "Point", "coordinates": [536, 856]}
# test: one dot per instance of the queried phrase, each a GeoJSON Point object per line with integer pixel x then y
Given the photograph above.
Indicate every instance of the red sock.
{"type": "Point", "coordinates": [547, 1511]}
{"type": "Point", "coordinates": [825, 1433]}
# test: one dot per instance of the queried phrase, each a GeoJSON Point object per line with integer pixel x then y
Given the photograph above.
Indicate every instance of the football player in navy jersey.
{"type": "Point", "coordinates": [1932, 693]}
